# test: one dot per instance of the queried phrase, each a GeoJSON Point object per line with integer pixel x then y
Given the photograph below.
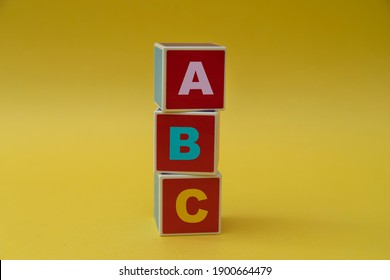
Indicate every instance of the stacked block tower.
{"type": "Point", "coordinates": [189, 88]}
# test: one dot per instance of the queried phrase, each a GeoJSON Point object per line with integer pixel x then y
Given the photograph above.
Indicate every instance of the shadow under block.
{"type": "Point", "coordinates": [187, 205]}
{"type": "Point", "coordinates": [186, 142]}
{"type": "Point", "coordinates": [189, 77]}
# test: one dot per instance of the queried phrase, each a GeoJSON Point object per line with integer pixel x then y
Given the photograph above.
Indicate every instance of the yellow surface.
{"type": "Point", "coordinates": [305, 138]}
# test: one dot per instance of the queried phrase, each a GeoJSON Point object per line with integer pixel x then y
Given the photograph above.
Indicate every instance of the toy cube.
{"type": "Point", "coordinates": [186, 142]}
{"type": "Point", "coordinates": [189, 76]}
{"type": "Point", "coordinates": [185, 204]}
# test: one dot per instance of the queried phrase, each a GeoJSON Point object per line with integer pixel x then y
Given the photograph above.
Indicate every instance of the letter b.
{"type": "Point", "coordinates": [176, 143]}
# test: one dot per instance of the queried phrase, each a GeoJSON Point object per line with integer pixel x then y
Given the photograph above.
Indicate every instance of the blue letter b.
{"type": "Point", "coordinates": [175, 143]}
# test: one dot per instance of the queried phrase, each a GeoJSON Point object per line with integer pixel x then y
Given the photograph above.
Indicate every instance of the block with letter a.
{"type": "Point", "coordinates": [189, 77]}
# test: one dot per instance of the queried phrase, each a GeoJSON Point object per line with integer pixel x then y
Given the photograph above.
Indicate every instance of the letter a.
{"type": "Point", "coordinates": [195, 67]}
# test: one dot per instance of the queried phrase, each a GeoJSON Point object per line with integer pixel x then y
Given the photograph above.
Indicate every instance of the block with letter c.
{"type": "Point", "coordinates": [186, 204]}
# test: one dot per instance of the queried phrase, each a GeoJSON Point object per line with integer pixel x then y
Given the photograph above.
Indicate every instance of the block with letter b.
{"type": "Point", "coordinates": [185, 204]}
{"type": "Point", "coordinates": [189, 76]}
{"type": "Point", "coordinates": [186, 142]}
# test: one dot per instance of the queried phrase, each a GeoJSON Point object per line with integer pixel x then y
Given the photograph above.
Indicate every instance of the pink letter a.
{"type": "Point", "coordinates": [188, 83]}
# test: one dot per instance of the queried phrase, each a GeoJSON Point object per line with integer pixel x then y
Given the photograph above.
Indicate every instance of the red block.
{"type": "Point", "coordinates": [186, 142]}
{"type": "Point", "coordinates": [189, 77]}
{"type": "Point", "coordinates": [187, 204]}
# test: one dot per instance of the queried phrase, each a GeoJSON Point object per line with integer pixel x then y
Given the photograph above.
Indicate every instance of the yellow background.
{"type": "Point", "coordinates": [304, 142]}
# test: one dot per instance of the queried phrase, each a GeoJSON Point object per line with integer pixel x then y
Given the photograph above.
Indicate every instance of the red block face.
{"type": "Point", "coordinates": [186, 142]}
{"type": "Point", "coordinates": [195, 79]}
{"type": "Point", "coordinates": [190, 205]}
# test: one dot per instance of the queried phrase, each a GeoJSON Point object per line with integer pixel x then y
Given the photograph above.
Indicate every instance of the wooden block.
{"type": "Point", "coordinates": [189, 77]}
{"type": "Point", "coordinates": [186, 142]}
{"type": "Point", "coordinates": [187, 205]}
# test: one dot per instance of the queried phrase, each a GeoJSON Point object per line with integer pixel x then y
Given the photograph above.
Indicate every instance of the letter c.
{"type": "Point", "coordinates": [181, 206]}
